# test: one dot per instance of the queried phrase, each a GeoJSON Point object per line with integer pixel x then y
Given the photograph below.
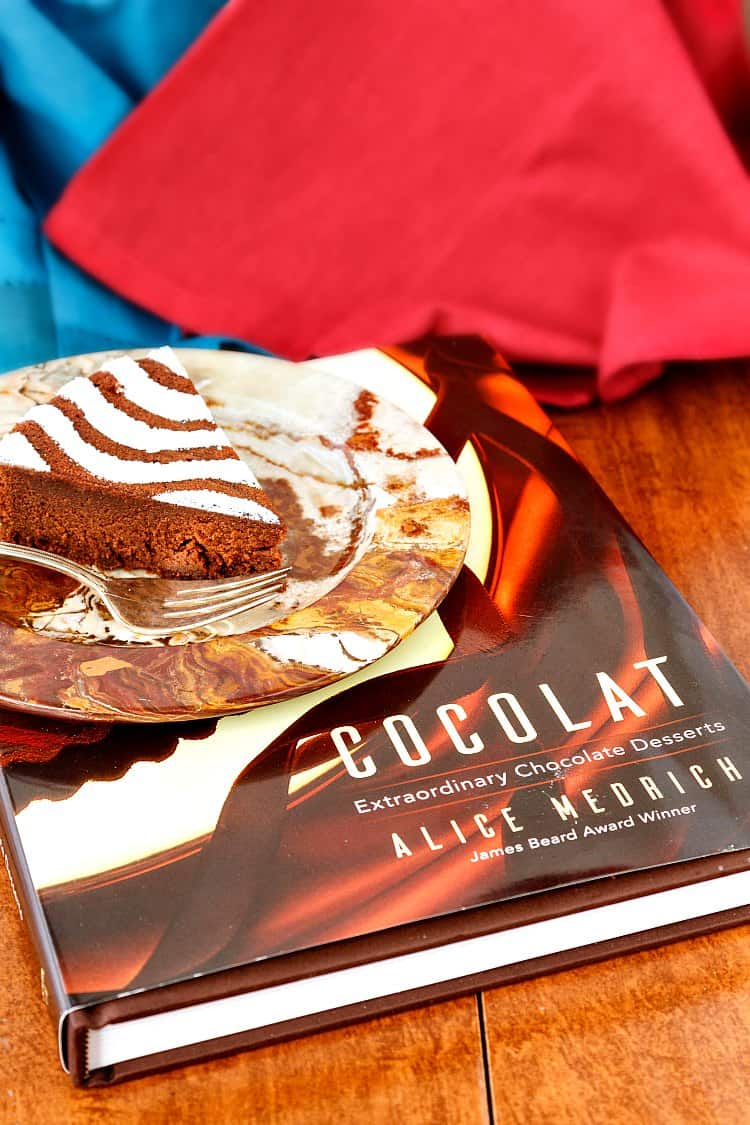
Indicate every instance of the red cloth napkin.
{"type": "Point", "coordinates": [554, 175]}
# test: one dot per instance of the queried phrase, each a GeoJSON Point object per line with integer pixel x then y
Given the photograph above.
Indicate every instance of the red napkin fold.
{"type": "Point", "coordinates": [553, 175]}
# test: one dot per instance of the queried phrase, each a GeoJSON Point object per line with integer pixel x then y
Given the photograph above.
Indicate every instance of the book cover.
{"type": "Point", "coordinates": [561, 734]}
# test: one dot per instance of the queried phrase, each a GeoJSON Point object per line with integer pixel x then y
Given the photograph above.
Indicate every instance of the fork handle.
{"type": "Point", "coordinates": [50, 561]}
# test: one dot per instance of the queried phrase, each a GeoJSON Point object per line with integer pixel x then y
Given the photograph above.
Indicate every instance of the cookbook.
{"type": "Point", "coordinates": [554, 767]}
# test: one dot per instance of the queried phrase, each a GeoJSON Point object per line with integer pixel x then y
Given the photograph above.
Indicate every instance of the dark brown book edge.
{"type": "Point", "coordinates": [522, 911]}
{"type": "Point", "coordinates": [30, 910]}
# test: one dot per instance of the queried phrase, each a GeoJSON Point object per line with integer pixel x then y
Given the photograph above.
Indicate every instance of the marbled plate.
{"type": "Point", "coordinates": [378, 527]}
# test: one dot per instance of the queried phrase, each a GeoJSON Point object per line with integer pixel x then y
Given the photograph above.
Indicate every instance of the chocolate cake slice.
{"type": "Point", "coordinates": [127, 468]}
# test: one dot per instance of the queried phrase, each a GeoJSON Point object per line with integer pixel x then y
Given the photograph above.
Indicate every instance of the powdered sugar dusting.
{"type": "Point", "coordinates": [138, 386]}
{"type": "Point", "coordinates": [16, 449]}
{"type": "Point", "coordinates": [166, 356]}
{"type": "Point", "coordinates": [107, 467]}
{"type": "Point", "coordinates": [122, 428]}
{"type": "Point", "coordinates": [219, 502]}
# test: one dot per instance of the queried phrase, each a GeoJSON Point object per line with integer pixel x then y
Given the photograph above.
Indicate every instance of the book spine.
{"type": "Point", "coordinates": [30, 911]}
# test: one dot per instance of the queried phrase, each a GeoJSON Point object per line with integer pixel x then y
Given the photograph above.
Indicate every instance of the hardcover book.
{"type": "Point", "coordinates": [553, 768]}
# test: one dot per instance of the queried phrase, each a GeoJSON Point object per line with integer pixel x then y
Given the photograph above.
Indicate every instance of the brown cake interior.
{"type": "Point", "coordinates": [113, 530]}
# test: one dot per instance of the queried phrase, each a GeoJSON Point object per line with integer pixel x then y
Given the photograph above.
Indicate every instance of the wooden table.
{"type": "Point", "coordinates": [656, 1037]}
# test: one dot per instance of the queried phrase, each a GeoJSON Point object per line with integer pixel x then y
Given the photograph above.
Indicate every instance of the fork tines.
{"type": "Point", "coordinates": [226, 591]}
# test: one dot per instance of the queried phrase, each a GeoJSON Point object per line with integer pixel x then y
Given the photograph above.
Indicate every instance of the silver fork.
{"type": "Point", "coordinates": [159, 607]}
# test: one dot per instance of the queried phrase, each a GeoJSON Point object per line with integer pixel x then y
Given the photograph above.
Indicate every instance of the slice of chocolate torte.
{"type": "Point", "coordinates": [127, 468]}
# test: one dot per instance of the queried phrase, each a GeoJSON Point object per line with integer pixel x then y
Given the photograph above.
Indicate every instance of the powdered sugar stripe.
{"type": "Point", "coordinates": [118, 426]}
{"type": "Point", "coordinates": [138, 386]}
{"type": "Point", "coordinates": [166, 356]}
{"type": "Point", "coordinates": [107, 467]}
{"type": "Point", "coordinates": [16, 449]}
{"type": "Point", "coordinates": [219, 502]}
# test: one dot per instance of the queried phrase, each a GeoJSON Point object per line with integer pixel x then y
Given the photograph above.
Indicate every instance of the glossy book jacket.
{"type": "Point", "coordinates": [563, 720]}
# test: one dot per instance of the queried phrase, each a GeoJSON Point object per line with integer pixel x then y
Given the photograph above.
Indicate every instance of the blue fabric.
{"type": "Point", "coordinates": [70, 71]}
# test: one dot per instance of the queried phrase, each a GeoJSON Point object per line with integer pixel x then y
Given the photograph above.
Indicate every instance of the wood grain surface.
{"type": "Point", "coordinates": [655, 1037]}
